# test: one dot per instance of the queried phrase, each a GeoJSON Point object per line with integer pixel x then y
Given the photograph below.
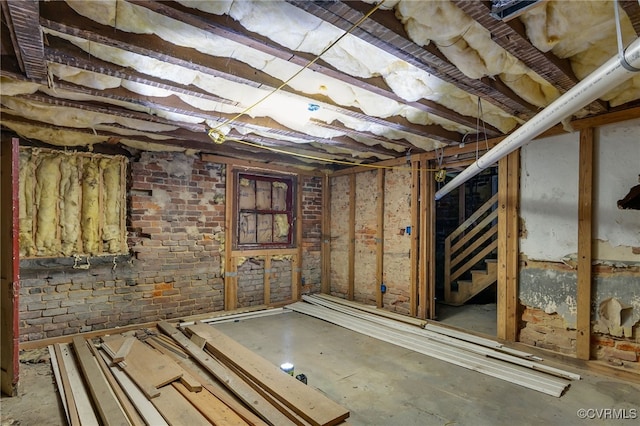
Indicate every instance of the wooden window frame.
{"type": "Point", "coordinates": [290, 210]}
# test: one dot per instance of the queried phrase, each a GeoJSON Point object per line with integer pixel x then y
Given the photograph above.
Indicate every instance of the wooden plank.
{"type": "Point", "coordinates": [501, 302]}
{"type": "Point", "coordinates": [187, 380]}
{"type": "Point", "coordinates": [158, 343]}
{"type": "Point", "coordinates": [148, 412]}
{"type": "Point", "coordinates": [107, 404]}
{"type": "Point", "coordinates": [78, 389]}
{"type": "Point", "coordinates": [585, 228]}
{"type": "Point", "coordinates": [447, 268]}
{"type": "Point", "coordinates": [127, 406]}
{"type": "Point", "coordinates": [211, 407]}
{"type": "Point", "coordinates": [325, 281]}
{"type": "Point", "coordinates": [9, 273]}
{"type": "Point", "coordinates": [296, 263]}
{"type": "Point", "coordinates": [475, 216]}
{"type": "Point", "coordinates": [227, 377]}
{"type": "Point", "coordinates": [305, 401]}
{"type": "Point", "coordinates": [432, 242]}
{"type": "Point", "coordinates": [415, 231]}
{"type": "Point", "coordinates": [176, 410]}
{"type": "Point", "coordinates": [475, 259]}
{"type": "Point", "coordinates": [267, 280]}
{"type": "Point", "coordinates": [423, 239]}
{"type": "Point", "coordinates": [219, 392]}
{"type": "Point", "coordinates": [473, 232]}
{"type": "Point", "coordinates": [352, 237]}
{"type": "Point", "coordinates": [264, 252]}
{"type": "Point", "coordinates": [150, 369]}
{"type": "Point", "coordinates": [513, 252]}
{"type": "Point", "coordinates": [380, 239]}
{"type": "Point", "coordinates": [230, 269]}
{"type": "Point", "coordinates": [64, 387]}
{"type": "Point", "coordinates": [124, 349]}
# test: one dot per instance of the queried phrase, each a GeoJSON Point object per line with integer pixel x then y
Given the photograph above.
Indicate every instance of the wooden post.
{"type": "Point", "coordinates": [380, 240]}
{"type": "Point", "coordinates": [296, 263]}
{"type": "Point", "coordinates": [267, 279]}
{"type": "Point", "coordinates": [585, 210]}
{"type": "Point", "coordinates": [231, 268]}
{"type": "Point", "coordinates": [508, 253]}
{"type": "Point", "coordinates": [352, 236]}
{"type": "Point", "coordinates": [423, 238]}
{"type": "Point", "coordinates": [326, 236]}
{"type": "Point", "coordinates": [10, 261]}
{"type": "Point", "coordinates": [431, 196]}
{"type": "Point", "coordinates": [415, 252]}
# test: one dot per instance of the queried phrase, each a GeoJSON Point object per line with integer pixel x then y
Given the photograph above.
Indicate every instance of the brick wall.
{"type": "Point", "coordinates": [176, 210]}
{"type": "Point", "coordinates": [311, 233]}
{"type": "Point", "coordinates": [547, 331]}
{"type": "Point", "coordinates": [175, 220]}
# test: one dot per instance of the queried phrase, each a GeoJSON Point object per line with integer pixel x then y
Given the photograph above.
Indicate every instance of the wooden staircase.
{"type": "Point", "coordinates": [473, 243]}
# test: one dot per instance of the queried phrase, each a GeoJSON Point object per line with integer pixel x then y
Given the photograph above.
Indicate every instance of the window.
{"type": "Point", "coordinates": [71, 203]}
{"type": "Point", "coordinates": [264, 211]}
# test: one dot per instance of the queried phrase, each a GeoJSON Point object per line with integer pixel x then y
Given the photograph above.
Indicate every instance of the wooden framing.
{"type": "Point", "coordinates": [585, 228]}
{"type": "Point", "coordinates": [296, 263]}
{"type": "Point", "coordinates": [352, 236]}
{"type": "Point", "coordinates": [424, 238]}
{"type": "Point", "coordinates": [9, 259]}
{"type": "Point", "coordinates": [380, 239]}
{"type": "Point", "coordinates": [231, 267]}
{"type": "Point", "coordinates": [415, 232]}
{"type": "Point", "coordinates": [508, 256]}
{"type": "Point", "coordinates": [325, 232]}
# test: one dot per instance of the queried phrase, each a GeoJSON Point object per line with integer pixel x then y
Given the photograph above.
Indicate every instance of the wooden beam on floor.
{"type": "Point", "coordinates": [306, 402]}
{"type": "Point", "coordinates": [380, 238]}
{"type": "Point", "coordinates": [106, 403]}
{"type": "Point", "coordinates": [585, 228]}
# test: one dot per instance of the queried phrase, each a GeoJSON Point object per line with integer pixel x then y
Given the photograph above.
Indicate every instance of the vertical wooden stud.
{"type": "Point", "coordinates": [352, 236]}
{"type": "Point", "coordinates": [380, 239]}
{"type": "Point", "coordinates": [508, 256]}
{"type": "Point", "coordinates": [230, 269]}
{"type": "Point", "coordinates": [415, 255]}
{"type": "Point", "coordinates": [585, 210]}
{"type": "Point", "coordinates": [424, 238]}
{"type": "Point", "coordinates": [267, 278]}
{"type": "Point", "coordinates": [326, 236]}
{"type": "Point", "coordinates": [296, 266]}
{"type": "Point", "coordinates": [431, 279]}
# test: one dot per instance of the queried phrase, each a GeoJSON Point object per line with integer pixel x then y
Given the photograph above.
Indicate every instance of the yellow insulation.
{"type": "Point", "coordinates": [69, 205]}
{"type": "Point", "coordinates": [46, 201]}
{"type": "Point", "coordinates": [27, 168]}
{"type": "Point", "coordinates": [111, 204]}
{"type": "Point", "coordinates": [90, 207]}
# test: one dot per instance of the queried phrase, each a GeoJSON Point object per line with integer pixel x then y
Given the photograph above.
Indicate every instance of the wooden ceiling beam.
{"type": "Point", "coordinates": [511, 36]}
{"type": "Point", "coordinates": [26, 37]}
{"type": "Point", "coordinates": [632, 9]}
{"type": "Point", "coordinates": [383, 29]}
{"type": "Point", "coordinates": [229, 69]}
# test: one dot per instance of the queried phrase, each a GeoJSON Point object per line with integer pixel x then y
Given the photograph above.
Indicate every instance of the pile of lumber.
{"type": "Point", "coordinates": [465, 350]}
{"type": "Point", "coordinates": [169, 376]}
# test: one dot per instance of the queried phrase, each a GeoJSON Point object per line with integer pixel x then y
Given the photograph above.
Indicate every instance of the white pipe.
{"type": "Point", "coordinates": [599, 82]}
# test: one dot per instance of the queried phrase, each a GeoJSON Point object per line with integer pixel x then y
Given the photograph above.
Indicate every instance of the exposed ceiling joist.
{"type": "Point", "coordinates": [27, 38]}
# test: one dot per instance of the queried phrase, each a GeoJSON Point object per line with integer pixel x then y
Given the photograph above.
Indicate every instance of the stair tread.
{"type": "Point", "coordinates": [480, 271]}
{"type": "Point", "coordinates": [491, 260]}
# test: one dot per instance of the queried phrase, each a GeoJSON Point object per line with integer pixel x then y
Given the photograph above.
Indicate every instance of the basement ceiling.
{"type": "Point", "coordinates": [310, 84]}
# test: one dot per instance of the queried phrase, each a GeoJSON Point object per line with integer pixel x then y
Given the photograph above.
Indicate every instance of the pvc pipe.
{"type": "Point", "coordinates": [611, 74]}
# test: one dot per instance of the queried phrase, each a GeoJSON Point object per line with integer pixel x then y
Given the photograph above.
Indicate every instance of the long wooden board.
{"type": "Point", "coordinates": [176, 410]}
{"type": "Point", "coordinates": [105, 401]}
{"type": "Point", "coordinates": [305, 401]}
{"type": "Point", "coordinates": [210, 407]}
{"type": "Point", "coordinates": [227, 377]}
{"type": "Point", "coordinates": [78, 389]}
{"type": "Point", "coordinates": [64, 387]}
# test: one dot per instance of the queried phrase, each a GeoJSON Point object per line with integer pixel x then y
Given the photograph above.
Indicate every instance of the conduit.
{"type": "Point", "coordinates": [611, 74]}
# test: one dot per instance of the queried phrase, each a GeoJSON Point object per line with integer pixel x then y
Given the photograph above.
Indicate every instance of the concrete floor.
{"type": "Point", "coordinates": [381, 384]}
{"type": "Point", "coordinates": [479, 318]}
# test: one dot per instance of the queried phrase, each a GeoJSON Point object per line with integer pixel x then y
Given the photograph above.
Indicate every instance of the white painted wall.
{"type": "Point", "coordinates": [617, 167]}
{"type": "Point", "coordinates": [549, 194]}
{"type": "Point", "coordinates": [549, 197]}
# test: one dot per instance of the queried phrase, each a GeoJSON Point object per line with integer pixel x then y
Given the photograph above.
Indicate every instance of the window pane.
{"type": "Point", "coordinates": [281, 228]}
{"type": "Point", "coordinates": [263, 195]}
{"type": "Point", "coordinates": [247, 194]}
{"type": "Point", "coordinates": [265, 228]}
{"type": "Point", "coordinates": [247, 234]}
{"type": "Point", "coordinates": [280, 196]}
